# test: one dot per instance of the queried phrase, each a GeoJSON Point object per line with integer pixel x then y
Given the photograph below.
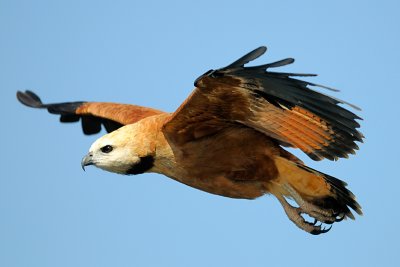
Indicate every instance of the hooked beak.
{"type": "Point", "coordinates": [87, 160]}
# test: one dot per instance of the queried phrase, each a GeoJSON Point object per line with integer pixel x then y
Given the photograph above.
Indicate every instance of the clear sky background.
{"type": "Point", "coordinates": [149, 53]}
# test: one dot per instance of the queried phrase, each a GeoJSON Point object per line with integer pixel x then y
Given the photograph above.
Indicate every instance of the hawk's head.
{"type": "Point", "coordinates": [128, 150]}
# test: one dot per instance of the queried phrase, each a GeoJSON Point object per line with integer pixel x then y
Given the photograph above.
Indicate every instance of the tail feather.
{"type": "Point", "coordinates": [319, 189]}
{"type": "Point", "coordinates": [341, 199]}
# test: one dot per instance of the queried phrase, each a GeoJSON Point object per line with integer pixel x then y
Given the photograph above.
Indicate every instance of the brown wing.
{"type": "Point", "coordinates": [273, 103]}
{"type": "Point", "coordinates": [92, 114]}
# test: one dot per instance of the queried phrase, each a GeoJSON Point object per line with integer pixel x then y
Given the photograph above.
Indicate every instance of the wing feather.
{"type": "Point", "coordinates": [92, 114]}
{"type": "Point", "coordinates": [283, 108]}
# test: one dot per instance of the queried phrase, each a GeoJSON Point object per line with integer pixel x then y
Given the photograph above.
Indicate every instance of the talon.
{"type": "Point", "coordinates": [327, 216]}
{"type": "Point", "coordinates": [318, 230]}
{"type": "Point", "coordinates": [294, 215]}
{"type": "Point", "coordinates": [319, 215]}
{"type": "Point", "coordinates": [340, 218]}
{"type": "Point", "coordinates": [324, 230]}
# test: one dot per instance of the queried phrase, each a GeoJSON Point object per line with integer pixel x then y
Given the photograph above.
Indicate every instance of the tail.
{"type": "Point", "coordinates": [321, 196]}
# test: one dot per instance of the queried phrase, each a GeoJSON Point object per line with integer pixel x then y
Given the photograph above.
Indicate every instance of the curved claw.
{"type": "Point", "coordinates": [325, 230]}
{"type": "Point", "coordinates": [318, 230]}
{"type": "Point", "coordinates": [340, 218]}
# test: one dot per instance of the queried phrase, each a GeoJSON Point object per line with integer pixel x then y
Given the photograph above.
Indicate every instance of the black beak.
{"type": "Point", "coordinates": [87, 160]}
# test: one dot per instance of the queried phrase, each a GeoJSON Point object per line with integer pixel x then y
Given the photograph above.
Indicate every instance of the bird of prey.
{"type": "Point", "coordinates": [228, 138]}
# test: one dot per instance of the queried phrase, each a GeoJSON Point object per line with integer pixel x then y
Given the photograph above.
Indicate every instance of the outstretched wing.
{"type": "Point", "coordinates": [92, 114]}
{"type": "Point", "coordinates": [274, 103]}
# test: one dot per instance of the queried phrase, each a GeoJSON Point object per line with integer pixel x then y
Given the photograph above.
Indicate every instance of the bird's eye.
{"type": "Point", "coordinates": [106, 149]}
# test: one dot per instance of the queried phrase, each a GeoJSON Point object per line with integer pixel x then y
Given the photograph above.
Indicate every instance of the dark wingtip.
{"type": "Point", "coordinates": [30, 99]}
{"type": "Point", "coordinates": [262, 49]}
{"type": "Point", "coordinates": [248, 57]}
{"type": "Point", "coordinates": [277, 64]}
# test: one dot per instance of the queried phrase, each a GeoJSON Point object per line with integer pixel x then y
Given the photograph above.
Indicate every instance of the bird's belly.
{"type": "Point", "coordinates": [236, 163]}
{"type": "Point", "coordinates": [220, 185]}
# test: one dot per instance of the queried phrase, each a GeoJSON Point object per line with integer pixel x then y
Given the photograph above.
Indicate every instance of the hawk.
{"type": "Point", "coordinates": [228, 138]}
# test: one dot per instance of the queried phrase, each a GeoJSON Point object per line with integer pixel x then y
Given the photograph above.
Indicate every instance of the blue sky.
{"type": "Point", "coordinates": [149, 53]}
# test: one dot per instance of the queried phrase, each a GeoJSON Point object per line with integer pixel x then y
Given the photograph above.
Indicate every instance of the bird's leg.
{"type": "Point", "coordinates": [294, 215]}
{"type": "Point", "coordinates": [323, 215]}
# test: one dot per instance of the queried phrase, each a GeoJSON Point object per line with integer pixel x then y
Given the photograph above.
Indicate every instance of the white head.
{"type": "Point", "coordinates": [128, 150]}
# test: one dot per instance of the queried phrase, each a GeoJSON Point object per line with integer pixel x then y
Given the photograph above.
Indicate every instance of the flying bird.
{"type": "Point", "coordinates": [228, 139]}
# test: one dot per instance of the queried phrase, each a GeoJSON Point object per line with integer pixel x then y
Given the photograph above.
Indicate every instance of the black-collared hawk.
{"type": "Point", "coordinates": [228, 139]}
